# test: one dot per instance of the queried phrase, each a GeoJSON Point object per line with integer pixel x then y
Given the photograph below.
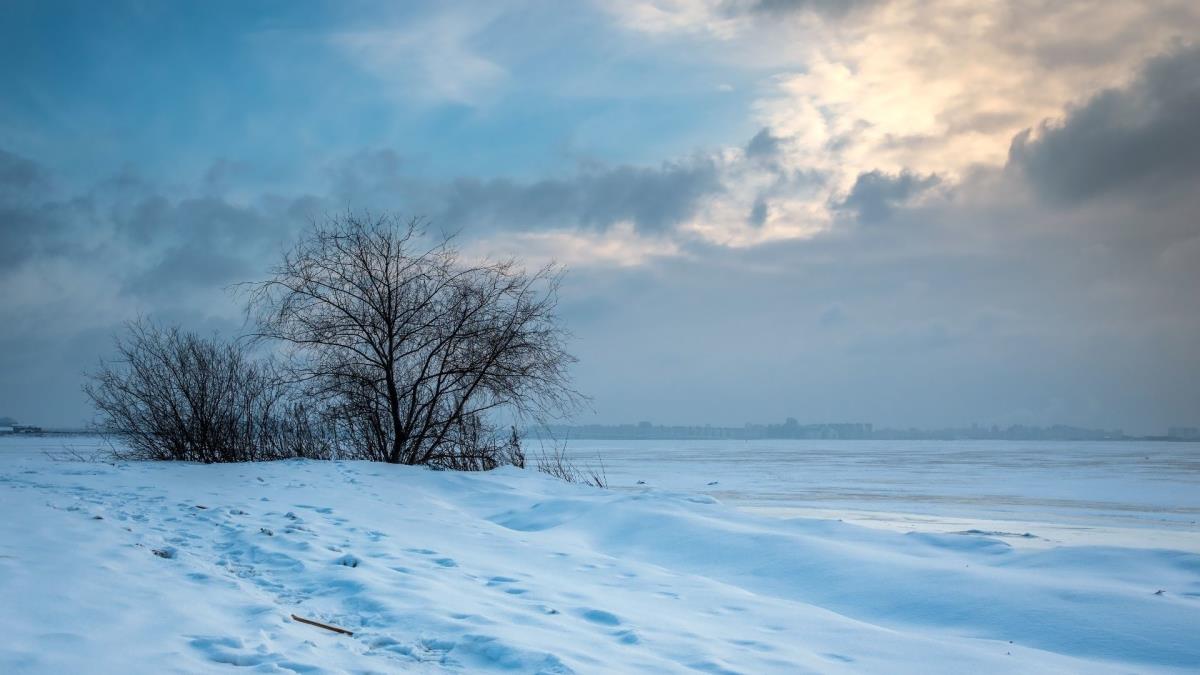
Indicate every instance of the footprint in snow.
{"type": "Point", "coordinates": [627, 637]}
{"type": "Point", "coordinates": [601, 617]}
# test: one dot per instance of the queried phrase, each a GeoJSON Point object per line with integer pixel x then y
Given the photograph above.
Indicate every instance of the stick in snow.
{"type": "Point", "coordinates": [318, 624]}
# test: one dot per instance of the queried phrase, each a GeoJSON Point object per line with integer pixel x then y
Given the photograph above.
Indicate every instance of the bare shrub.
{"type": "Point", "coordinates": [76, 456]}
{"type": "Point", "coordinates": [512, 451]}
{"type": "Point", "coordinates": [172, 395]}
{"type": "Point", "coordinates": [408, 347]}
{"type": "Point", "coordinates": [555, 463]}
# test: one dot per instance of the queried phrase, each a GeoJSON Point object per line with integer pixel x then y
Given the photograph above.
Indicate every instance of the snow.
{"type": "Point", "coordinates": [1138, 493]}
{"type": "Point", "coordinates": [149, 568]}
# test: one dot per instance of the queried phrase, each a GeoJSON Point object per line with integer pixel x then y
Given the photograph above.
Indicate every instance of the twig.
{"type": "Point", "coordinates": [318, 624]}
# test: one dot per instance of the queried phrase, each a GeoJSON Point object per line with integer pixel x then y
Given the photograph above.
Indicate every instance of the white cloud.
{"type": "Point", "coordinates": [428, 59]}
{"type": "Point", "coordinates": [619, 245]}
{"type": "Point", "coordinates": [933, 87]}
{"type": "Point", "coordinates": [940, 87]}
{"type": "Point", "coordinates": [665, 17]}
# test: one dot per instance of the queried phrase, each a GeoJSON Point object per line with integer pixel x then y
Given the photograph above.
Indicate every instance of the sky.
{"type": "Point", "coordinates": [907, 213]}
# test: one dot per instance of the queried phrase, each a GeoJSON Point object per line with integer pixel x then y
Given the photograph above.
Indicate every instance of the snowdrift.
{"type": "Point", "coordinates": [134, 567]}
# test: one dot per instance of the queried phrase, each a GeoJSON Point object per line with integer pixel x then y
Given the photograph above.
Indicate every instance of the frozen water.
{"type": "Point", "coordinates": [511, 571]}
{"type": "Point", "coordinates": [1144, 493]}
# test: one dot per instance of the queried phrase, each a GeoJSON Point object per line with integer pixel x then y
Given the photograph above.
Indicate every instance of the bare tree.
{"type": "Point", "coordinates": [411, 348]}
{"type": "Point", "coordinates": [171, 395]}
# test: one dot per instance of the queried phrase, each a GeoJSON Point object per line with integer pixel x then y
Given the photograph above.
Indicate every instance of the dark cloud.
{"type": "Point", "coordinates": [20, 228]}
{"type": "Point", "coordinates": [831, 8]}
{"type": "Point", "coordinates": [876, 193]}
{"type": "Point", "coordinates": [205, 242]}
{"type": "Point", "coordinates": [653, 199]}
{"type": "Point", "coordinates": [20, 176]}
{"type": "Point", "coordinates": [31, 219]}
{"type": "Point", "coordinates": [142, 221]}
{"type": "Point", "coordinates": [185, 267]}
{"type": "Point", "coordinates": [224, 174]}
{"type": "Point", "coordinates": [1141, 136]}
{"type": "Point", "coordinates": [368, 175]}
{"type": "Point", "coordinates": [166, 245]}
{"type": "Point", "coordinates": [73, 267]}
{"type": "Point", "coordinates": [764, 145]}
{"type": "Point", "coordinates": [758, 213]}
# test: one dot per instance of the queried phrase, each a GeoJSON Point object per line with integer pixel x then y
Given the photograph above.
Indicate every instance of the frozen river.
{"type": "Point", "coordinates": [1122, 493]}
{"type": "Point", "coordinates": [1128, 493]}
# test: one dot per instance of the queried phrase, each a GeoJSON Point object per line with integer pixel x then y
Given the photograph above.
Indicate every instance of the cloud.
{"type": "Point", "coordinates": [31, 220]}
{"type": "Point", "coordinates": [763, 145]}
{"type": "Point", "coordinates": [653, 199]}
{"type": "Point", "coordinates": [620, 246]}
{"type": "Point", "coordinates": [876, 193]}
{"type": "Point", "coordinates": [834, 8]}
{"type": "Point", "coordinates": [431, 58]}
{"type": "Point", "coordinates": [1138, 136]}
{"type": "Point", "coordinates": [893, 89]}
{"type": "Point", "coordinates": [74, 265]}
{"type": "Point", "coordinates": [204, 243]}
{"type": "Point", "coordinates": [758, 214]}
{"type": "Point", "coordinates": [125, 240]}
{"type": "Point", "coordinates": [928, 86]}
{"type": "Point", "coordinates": [667, 17]}
{"type": "Point", "coordinates": [19, 175]}
{"type": "Point", "coordinates": [722, 19]}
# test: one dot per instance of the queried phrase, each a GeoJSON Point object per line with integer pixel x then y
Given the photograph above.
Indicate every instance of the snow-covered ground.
{"type": "Point", "coordinates": [1140, 493]}
{"type": "Point", "coordinates": [152, 568]}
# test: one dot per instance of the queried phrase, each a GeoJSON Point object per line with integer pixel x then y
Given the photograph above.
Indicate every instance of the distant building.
{"type": "Point", "coordinates": [791, 428]}
{"type": "Point", "coordinates": [1184, 433]}
{"type": "Point", "coordinates": [26, 429]}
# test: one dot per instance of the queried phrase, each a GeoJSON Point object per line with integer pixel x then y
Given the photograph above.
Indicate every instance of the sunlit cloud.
{"type": "Point", "coordinates": [901, 87]}
{"type": "Point", "coordinates": [620, 245]}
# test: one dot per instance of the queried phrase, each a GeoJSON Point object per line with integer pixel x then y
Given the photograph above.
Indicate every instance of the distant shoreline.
{"type": "Point", "coordinates": [589, 434]}
{"type": "Point", "coordinates": [856, 431]}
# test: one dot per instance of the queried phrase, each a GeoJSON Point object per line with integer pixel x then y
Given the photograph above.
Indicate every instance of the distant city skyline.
{"type": "Point", "coordinates": [793, 429]}
{"type": "Point", "coordinates": [645, 429]}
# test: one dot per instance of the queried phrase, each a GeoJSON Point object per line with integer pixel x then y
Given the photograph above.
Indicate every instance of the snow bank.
{"type": "Point", "coordinates": [184, 568]}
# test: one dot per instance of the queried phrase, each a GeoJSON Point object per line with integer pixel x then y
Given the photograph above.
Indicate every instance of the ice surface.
{"type": "Point", "coordinates": [511, 571]}
{"type": "Point", "coordinates": [1120, 493]}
